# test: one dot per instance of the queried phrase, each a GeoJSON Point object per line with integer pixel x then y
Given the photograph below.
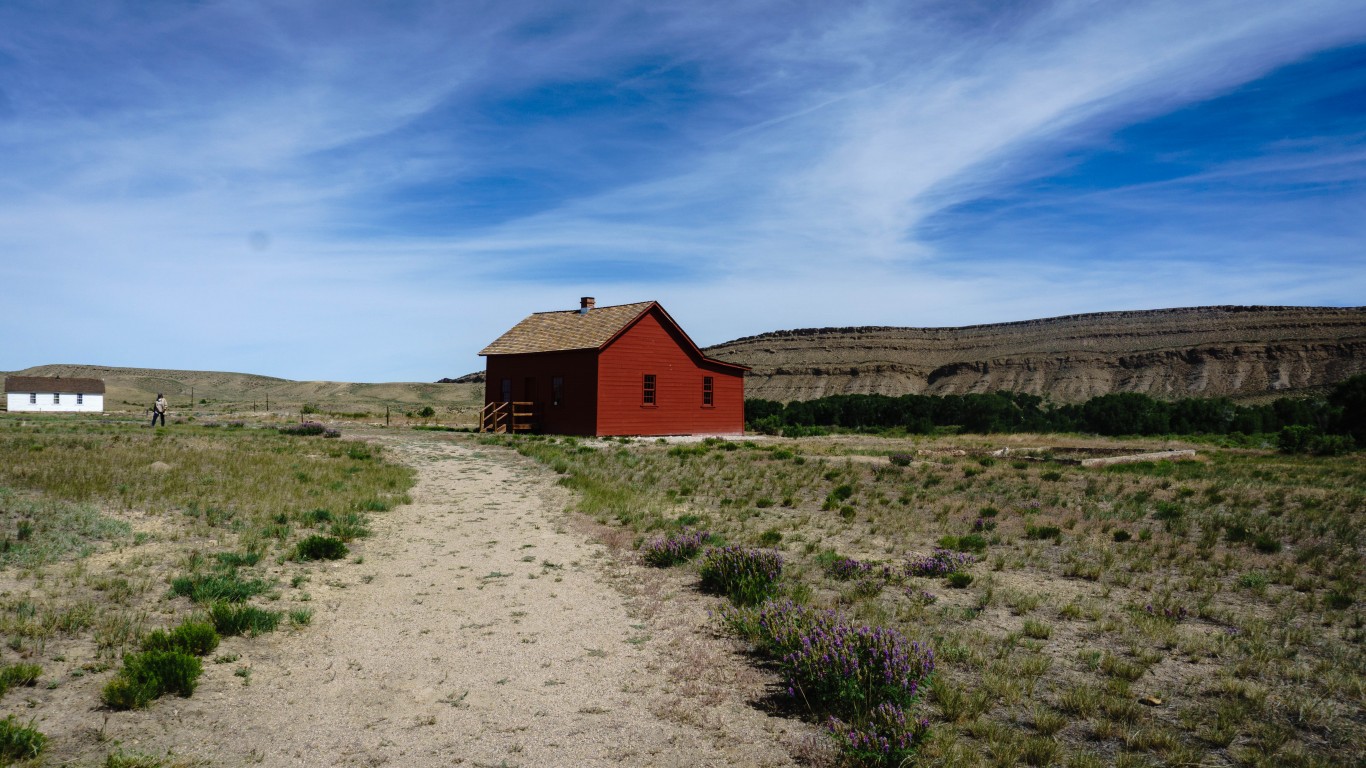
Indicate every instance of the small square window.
{"type": "Point", "coordinates": [648, 393]}
{"type": "Point", "coordinates": [56, 398]}
{"type": "Point", "coordinates": [707, 391]}
{"type": "Point", "coordinates": [33, 398]}
{"type": "Point", "coordinates": [80, 399]}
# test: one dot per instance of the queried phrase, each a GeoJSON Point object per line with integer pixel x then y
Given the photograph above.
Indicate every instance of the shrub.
{"type": "Point", "coordinates": [941, 563]}
{"type": "Point", "coordinates": [18, 741]}
{"type": "Point", "coordinates": [196, 638]}
{"type": "Point", "coordinates": [746, 576]}
{"type": "Point", "coordinates": [1051, 475]}
{"type": "Point", "coordinates": [1266, 544]}
{"type": "Point", "coordinates": [1121, 536]}
{"type": "Point", "coordinates": [845, 669]}
{"type": "Point", "coordinates": [303, 428]}
{"type": "Point", "coordinates": [846, 568]}
{"type": "Point", "coordinates": [1305, 439]}
{"type": "Point", "coordinates": [671, 550]}
{"type": "Point", "coordinates": [232, 620]}
{"type": "Point", "coordinates": [1332, 445]}
{"type": "Point", "coordinates": [1167, 510]}
{"type": "Point", "coordinates": [427, 412]}
{"type": "Point", "coordinates": [1043, 532]}
{"type": "Point", "coordinates": [321, 548]}
{"type": "Point", "coordinates": [770, 538]}
{"type": "Point", "coordinates": [972, 542]}
{"type": "Point", "coordinates": [1337, 599]}
{"type": "Point", "coordinates": [150, 674]}
{"type": "Point", "coordinates": [959, 580]}
{"type": "Point", "coordinates": [885, 737]}
{"type": "Point", "coordinates": [900, 459]}
{"type": "Point", "coordinates": [862, 677]}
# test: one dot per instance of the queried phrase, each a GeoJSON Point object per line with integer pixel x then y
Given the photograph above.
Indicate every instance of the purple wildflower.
{"type": "Point", "coordinates": [941, 563]}
{"type": "Point", "coordinates": [672, 550]}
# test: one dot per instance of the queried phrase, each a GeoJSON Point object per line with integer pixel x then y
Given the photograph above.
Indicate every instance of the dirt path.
{"type": "Point", "coordinates": [482, 628]}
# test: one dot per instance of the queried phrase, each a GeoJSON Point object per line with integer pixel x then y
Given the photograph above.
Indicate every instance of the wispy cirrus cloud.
{"type": "Point", "coordinates": [262, 183]}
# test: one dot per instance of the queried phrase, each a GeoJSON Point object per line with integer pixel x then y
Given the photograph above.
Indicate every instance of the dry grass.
{"type": "Point", "coordinates": [1225, 628]}
{"type": "Point", "coordinates": [109, 531]}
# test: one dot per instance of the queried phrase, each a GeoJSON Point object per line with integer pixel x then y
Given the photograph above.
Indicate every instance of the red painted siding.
{"type": "Point", "coordinates": [575, 415]}
{"type": "Point", "coordinates": [653, 346]}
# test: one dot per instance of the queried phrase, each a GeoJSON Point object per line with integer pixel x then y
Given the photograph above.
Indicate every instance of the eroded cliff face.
{"type": "Point", "coordinates": [1239, 352]}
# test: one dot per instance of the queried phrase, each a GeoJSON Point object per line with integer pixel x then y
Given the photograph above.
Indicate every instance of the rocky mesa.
{"type": "Point", "coordinates": [1242, 352]}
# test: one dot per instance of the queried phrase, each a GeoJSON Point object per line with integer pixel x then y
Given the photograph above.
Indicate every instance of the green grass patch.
{"type": "Point", "coordinates": [218, 587]}
{"type": "Point", "coordinates": [34, 532]}
{"type": "Point", "coordinates": [230, 619]}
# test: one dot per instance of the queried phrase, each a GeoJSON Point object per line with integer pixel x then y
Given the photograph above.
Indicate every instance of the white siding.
{"type": "Point", "coordinates": [19, 401]}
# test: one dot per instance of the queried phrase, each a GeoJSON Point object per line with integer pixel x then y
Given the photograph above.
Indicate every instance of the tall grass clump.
{"type": "Point", "coordinates": [746, 576]}
{"type": "Point", "coordinates": [667, 551]}
{"type": "Point", "coordinates": [19, 741]}
{"type": "Point", "coordinates": [215, 587]}
{"type": "Point", "coordinates": [230, 620]}
{"type": "Point", "coordinates": [16, 675]}
{"type": "Point", "coordinates": [197, 638]}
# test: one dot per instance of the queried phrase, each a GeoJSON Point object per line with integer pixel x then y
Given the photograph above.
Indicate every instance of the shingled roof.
{"type": "Point", "coordinates": [54, 384]}
{"type": "Point", "coordinates": [567, 330]}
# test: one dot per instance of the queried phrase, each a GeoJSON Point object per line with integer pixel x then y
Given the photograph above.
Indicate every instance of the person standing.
{"type": "Point", "coordinates": [159, 410]}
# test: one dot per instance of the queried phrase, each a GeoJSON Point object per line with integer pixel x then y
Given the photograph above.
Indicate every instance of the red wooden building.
{"type": "Point", "coordinates": [623, 370]}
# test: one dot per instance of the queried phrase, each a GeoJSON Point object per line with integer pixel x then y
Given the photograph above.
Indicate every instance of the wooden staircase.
{"type": "Point", "coordinates": [515, 416]}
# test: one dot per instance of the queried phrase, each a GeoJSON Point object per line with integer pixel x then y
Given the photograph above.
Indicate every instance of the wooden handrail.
{"type": "Point", "coordinates": [507, 416]}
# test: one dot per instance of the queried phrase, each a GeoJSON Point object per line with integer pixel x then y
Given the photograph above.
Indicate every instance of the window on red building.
{"type": "Point", "coordinates": [648, 393]}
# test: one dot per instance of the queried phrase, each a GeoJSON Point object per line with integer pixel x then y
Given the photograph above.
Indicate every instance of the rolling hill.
{"type": "Point", "coordinates": [134, 389]}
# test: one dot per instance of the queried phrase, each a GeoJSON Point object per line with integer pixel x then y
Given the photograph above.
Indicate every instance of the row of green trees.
{"type": "Point", "coordinates": [1342, 412]}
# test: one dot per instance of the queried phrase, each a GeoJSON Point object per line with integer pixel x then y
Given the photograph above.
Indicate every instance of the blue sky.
{"type": "Point", "coordinates": [366, 191]}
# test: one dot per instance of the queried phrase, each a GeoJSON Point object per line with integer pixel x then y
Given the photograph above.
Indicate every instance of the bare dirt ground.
{"type": "Point", "coordinates": [485, 626]}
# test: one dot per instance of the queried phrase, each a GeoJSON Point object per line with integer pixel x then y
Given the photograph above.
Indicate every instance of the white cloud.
{"type": "Point", "coordinates": [790, 172]}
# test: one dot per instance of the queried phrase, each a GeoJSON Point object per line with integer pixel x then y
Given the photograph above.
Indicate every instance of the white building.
{"type": "Point", "coordinates": [53, 393]}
